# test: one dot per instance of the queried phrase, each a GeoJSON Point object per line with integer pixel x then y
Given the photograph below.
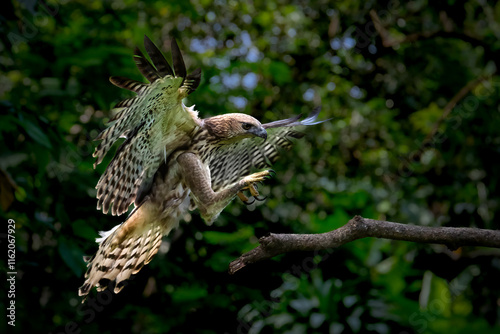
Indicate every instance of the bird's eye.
{"type": "Point", "coordinates": [246, 126]}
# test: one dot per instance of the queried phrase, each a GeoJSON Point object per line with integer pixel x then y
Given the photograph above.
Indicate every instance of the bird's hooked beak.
{"type": "Point", "coordinates": [260, 132]}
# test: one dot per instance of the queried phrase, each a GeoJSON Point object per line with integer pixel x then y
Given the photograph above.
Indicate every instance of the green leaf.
{"type": "Point", "coordinates": [72, 256]}
{"type": "Point", "coordinates": [425, 119]}
{"type": "Point", "coordinates": [35, 132]}
{"type": "Point", "coordinates": [82, 229]}
{"type": "Point", "coordinates": [337, 219]}
{"type": "Point", "coordinates": [280, 72]}
{"type": "Point", "coordinates": [219, 260]}
{"type": "Point", "coordinates": [188, 294]}
{"type": "Point", "coordinates": [216, 238]}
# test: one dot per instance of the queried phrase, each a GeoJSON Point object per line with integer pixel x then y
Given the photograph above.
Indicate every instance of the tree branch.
{"type": "Point", "coordinates": [358, 228]}
{"type": "Point", "coordinates": [451, 104]}
{"type": "Point", "coordinates": [389, 41]}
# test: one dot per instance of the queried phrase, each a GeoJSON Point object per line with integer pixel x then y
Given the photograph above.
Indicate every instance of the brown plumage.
{"type": "Point", "coordinates": [171, 162]}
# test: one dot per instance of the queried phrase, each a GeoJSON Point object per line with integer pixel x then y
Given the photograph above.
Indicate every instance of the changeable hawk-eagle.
{"type": "Point", "coordinates": [171, 162]}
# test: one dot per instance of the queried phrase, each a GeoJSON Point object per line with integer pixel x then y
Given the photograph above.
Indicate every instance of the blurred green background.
{"type": "Point", "coordinates": [387, 154]}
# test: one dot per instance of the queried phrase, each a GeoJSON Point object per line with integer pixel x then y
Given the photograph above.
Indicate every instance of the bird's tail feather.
{"type": "Point", "coordinates": [123, 251]}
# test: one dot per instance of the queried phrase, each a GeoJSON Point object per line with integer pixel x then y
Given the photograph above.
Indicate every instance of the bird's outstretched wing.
{"type": "Point", "coordinates": [231, 162]}
{"type": "Point", "coordinates": [154, 123]}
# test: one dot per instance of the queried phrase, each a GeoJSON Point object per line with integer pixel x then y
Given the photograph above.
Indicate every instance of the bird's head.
{"type": "Point", "coordinates": [233, 127]}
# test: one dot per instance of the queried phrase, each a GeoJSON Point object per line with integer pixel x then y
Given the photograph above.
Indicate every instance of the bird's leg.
{"type": "Point", "coordinates": [253, 191]}
{"type": "Point", "coordinates": [252, 188]}
{"type": "Point", "coordinates": [244, 199]}
{"type": "Point", "coordinates": [197, 177]}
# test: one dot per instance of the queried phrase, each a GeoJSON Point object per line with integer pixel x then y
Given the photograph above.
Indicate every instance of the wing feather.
{"type": "Point", "coordinates": [157, 58]}
{"type": "Point", "coordinates": [145, 66]}
{"type": "Point", "coordinates": [192, 81]}
{"type": "Point", "coordinates": [154, 123]}
{"type": "Point", "coordinates": [179, 66]}
{"type": "Point", "coordinates": [132, 85]}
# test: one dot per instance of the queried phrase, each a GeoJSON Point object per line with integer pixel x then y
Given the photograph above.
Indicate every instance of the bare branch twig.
{"type": "Point", "coordinates": [451, 104]}
{"type": "Point", "coordinates": [358, 228]}
{"type": "Point", "coordinates": [389, 41]}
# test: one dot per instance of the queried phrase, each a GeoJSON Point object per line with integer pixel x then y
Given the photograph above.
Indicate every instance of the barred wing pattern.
{"type": "Point", "coordinates": [231, 162]}
{"type": "Point", "coordinates": [154, 123]}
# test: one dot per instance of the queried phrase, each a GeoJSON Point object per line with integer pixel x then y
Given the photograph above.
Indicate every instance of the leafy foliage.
{"type": "Point", "coordinates": [386, 93]}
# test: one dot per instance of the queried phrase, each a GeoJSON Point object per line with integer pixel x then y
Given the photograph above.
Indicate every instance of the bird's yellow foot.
{"type": "Point", "coordinates": [244, 198]}
{"type": "Point", "coordinates": [249, 184]}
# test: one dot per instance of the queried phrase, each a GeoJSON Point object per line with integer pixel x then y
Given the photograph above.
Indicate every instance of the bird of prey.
{"type": "Point", "coordinates": [172, 161]}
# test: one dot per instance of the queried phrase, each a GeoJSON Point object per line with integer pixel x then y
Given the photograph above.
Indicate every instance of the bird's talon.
{"type": "Point", "coordinates": [253, 190]}
{"type": "Point", "coordinates": [249, 203]}
{"type": "Point", "coordinates": [242, 197]}
{"type": "Point", "coordinates": [260, 199]}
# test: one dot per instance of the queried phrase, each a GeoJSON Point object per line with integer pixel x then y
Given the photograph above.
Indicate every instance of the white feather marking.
{"type": "Point", "coordinates": [191, 111]}
{"type": "Point", "coordinates": [105, 234]}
